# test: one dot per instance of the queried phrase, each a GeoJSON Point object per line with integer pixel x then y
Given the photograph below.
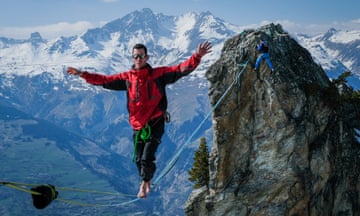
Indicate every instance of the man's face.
{"type": "Point", "coordinates": [139, 58]}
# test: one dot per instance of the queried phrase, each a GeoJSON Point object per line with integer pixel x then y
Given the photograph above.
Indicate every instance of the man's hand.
{"type": "Point", "coordinates": [204, 48]}
{"type": "Point", "coordinates": [74, 71]}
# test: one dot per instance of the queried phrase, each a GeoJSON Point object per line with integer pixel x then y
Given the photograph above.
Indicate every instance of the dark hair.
{"type": "Point", "coordinates": [140, 46]}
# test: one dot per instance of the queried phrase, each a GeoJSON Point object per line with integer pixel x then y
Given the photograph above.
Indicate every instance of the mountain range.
{"type": "Point", "coordinates": [59, 130]}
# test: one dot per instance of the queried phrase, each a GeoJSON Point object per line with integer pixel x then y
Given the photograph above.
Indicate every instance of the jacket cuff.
{"type": "Point", "coordinates": [83, 74]}
{"type": "Point", "coordinates": [197, 55]}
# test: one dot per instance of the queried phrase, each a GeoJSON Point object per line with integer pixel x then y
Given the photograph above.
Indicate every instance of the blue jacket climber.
{"type": "Point", "coordinates": [263, 49]}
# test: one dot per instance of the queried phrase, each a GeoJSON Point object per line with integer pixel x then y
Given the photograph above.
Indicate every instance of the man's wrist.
{"type": "Point", "coordinates": [198, 54]}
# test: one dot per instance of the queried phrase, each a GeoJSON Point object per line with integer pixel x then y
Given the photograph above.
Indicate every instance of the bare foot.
{"type": "Point", "coordinates": [142, 193]}
{"type": "Point", "coordinates": [147, 187]}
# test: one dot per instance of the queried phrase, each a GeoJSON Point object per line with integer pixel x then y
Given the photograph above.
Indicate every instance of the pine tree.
{"type": "Point", "coordinates": [348, 97]}
{"type": "Point", "coordinates": [199, 173]}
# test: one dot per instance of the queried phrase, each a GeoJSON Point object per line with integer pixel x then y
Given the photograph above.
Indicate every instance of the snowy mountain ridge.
{"type": "Point", "coordinates": [336, 51]}
{"type": "Point", "coordinates": [334, 47]}
{"type": "Point", "coordinates": [108, 48]}
{"type": "Point", "coordinates": [168, 38]}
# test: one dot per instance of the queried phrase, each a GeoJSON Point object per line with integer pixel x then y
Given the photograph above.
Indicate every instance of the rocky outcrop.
{"type": "Point", "coordinates": [284, 144]}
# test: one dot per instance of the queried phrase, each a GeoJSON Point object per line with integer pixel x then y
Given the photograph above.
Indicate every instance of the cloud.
{"type": "Point", "coordinates": [292, 27]}
{"type": "Point", "coordinates": [48, 31]}
{"type": "Point", "coordinates": [351, 25]}
{"type": "Point", "coordinates": [310, 29]}
{"type": "Point", "coordinates": [315, 28]}
{"type": "Point", "coordinates": [70, 29]}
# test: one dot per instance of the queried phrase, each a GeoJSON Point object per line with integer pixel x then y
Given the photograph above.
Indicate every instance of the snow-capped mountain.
{"type": "Point", "coordinates": [336, 51]}
{"type": "Point", "coordinates": [33, 81]}
{"type": "Point", "coordinates": [169, 40]}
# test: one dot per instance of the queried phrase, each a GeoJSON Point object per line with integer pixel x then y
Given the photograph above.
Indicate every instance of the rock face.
{"type": "Point", "coordinates": [283, 143]}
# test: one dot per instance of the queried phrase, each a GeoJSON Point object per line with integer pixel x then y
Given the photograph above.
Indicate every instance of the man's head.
{"type": "Point", "coordinates": [139, 56]}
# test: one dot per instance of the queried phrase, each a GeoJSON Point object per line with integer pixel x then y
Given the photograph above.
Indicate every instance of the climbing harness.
{"type": "Point", "coordinates": [145, 133]}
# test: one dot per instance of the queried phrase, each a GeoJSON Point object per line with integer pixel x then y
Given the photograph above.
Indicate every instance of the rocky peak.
{"type": "Point", "coordinates": [282, 145]}
{"type": "Point", "coordinates": [36, 39]}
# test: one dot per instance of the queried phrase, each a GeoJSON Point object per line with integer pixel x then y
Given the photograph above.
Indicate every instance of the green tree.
{"type": "Point", "coordinates": [199, 173]}
{"type": "Point", "coordinates": [348, 97]}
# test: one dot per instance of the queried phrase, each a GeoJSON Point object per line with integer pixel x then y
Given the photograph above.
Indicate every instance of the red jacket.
{"type": "Point", "coordinates": [146, 96]}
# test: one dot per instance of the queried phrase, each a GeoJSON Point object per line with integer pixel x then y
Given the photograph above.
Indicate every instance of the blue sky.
{"type": "Point", "coordinates": [18, 18]}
